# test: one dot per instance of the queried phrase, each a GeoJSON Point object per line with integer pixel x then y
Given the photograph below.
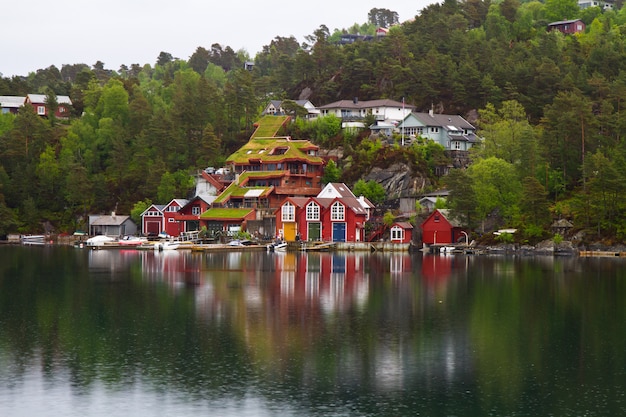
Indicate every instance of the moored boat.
{"type": "Point", "coordinates": [160, 246]}
{"type": "Point", "coordinates": [33, 239]}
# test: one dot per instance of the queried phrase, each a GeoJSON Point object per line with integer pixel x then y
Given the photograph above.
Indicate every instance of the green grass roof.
{"type": "Point", "coordinates": [225, 213]}
{"type": "Point", "coordinates": [268, 126]}
{"type": "Point", "coordinates": [263, 149]}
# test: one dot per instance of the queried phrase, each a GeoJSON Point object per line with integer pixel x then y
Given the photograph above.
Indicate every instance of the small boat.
{"type": "Point", "coordinates": [447, 249]}
{"type": "Point", "coordinates": [161, 246]}
{"type": "Point", "coordinates": [33, 239]}
{"type": "Point", "coordinates": [277, 247]}
{"type": "Point", "coordinates": [132, 241]}
{"type": "Point", "coordinates": [99, 240]}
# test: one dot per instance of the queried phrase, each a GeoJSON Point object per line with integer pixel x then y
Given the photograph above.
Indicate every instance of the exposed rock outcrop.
{"type": "Point", "coordinates": [398, 181]}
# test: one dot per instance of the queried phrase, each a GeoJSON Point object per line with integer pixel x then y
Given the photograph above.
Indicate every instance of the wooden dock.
{"type": "Point", "coordinates": [604, 254]}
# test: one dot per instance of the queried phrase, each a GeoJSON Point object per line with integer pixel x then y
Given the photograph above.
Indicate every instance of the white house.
{"type": "Point", "coordinates": [352, 112]}
{"type": "Point", "coordinates": [275, 107]}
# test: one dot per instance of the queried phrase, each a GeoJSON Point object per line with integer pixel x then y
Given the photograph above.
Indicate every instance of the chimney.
{"type": "Point", "coordinates": [355, 100]}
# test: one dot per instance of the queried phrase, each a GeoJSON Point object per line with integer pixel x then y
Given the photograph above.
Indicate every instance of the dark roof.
{"type": "Point", "coordinates": [564, 22]}
{"type": "Point", "coordinates": [443, 120]}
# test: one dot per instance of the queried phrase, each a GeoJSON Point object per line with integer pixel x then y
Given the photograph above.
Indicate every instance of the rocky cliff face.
{"type": "Point", "coordinates": [398, 181]}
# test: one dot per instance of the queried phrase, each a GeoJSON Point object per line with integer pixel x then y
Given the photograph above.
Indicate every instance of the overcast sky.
{"type": "Point", "coordinates": [38, 33]}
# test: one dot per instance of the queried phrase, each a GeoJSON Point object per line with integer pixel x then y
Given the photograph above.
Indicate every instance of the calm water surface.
{"type": "Point", "coordinates": [139, 333]}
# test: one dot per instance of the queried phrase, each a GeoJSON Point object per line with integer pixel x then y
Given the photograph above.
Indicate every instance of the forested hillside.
{"type": "Point", "coordinates": [549, 106]}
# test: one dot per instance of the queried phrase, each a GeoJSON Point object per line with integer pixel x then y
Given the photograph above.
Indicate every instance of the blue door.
{"type": "Point", "coordinates": [339, 232]}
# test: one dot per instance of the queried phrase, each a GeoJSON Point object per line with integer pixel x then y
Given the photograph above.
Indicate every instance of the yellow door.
{"type": "Point", "coordinates": [289, 230]}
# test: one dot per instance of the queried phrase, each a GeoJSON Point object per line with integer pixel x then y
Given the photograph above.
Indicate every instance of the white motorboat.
{"type": "Point", "coordinates": [160, 246]}
{"type": "Point", "coordinates": [33, 239]}
{"type": "Point", "coordinates": [277, 247]}
{"type": "Point", "coordinates": [100, 240]}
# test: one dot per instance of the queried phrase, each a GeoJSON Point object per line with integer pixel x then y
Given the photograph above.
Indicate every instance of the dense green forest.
{"type": "Point", "coordinates": [549, 106]}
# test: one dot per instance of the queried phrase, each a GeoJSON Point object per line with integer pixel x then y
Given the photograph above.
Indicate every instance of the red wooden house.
{"type": "Point", "coordinates": [441, 228]}
{"type": "Point", "coordinates": [162, 218]}
{"type": "Point", "coordinates": [335, 219]}
{"type": "Point", "coordinates": [171, 225]}
{"type": "Point", "coordinates": [568, 26]}
{"type": "Point", "coordinates": [188, 217]}
{"type": "Point", "coordinates": [152, 220]}
{"type": "Point", "coordinates": [401, 232]}
{"type": "Point", "coordinates": [38, 101]}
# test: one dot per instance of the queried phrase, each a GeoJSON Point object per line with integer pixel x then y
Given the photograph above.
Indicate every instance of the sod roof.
{"type": "Point", "coordinates": [225, 213]}
{"type": "Point", "coordinates": [268, 126]}
{"type": "Point", "coordinates": [275, 150]}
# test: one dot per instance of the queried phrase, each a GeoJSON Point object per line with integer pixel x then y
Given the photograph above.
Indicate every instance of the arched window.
{"type": "Point", "coordinates": [312, 212]}
{"type": "Point", "coordinates": [337, 212]}
{"type": "Point", "coordinates": [288, 212]}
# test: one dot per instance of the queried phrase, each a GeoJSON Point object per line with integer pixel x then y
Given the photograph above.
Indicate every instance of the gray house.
{"type": "Point", "coordinates": [111, 225]}
{"type": "Point", "coordinates": [452, 132]}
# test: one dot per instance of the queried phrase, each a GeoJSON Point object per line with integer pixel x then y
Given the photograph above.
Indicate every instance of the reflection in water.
{"type": "Point", "coordinates": [296, 333]}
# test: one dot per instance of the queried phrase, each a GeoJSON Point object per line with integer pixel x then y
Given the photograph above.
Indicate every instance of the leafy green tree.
{"type": "Point", "coordinates": [388, 218]}
{"type": "Point", "coordinates": [556, 10]}
{"type": "Point", "coordinates": [462, 199]}
{"type": "Point", "coordinates": [534, 204]}
{"type": "Point", "coordinates": [496, 186]}
{"type": "Point", "coordinates": [508, 135]}
{"type": "Point", "coordinates": [332, 173]}
{"type": "Point", "coordinates": [568, 134]}
{"type": "Point", "coordinates": [138, 208]}
{"type": "Point", "coordinates": [382, 17]}
{"type": "Point", "coordinates": [606, 191]}
{"type": "Point", "coordinates": [371, 190]}
{"type": "Point", "coordinates": [199, 60]}
{"type": "Point", "coordinates": [174, 185]}
{"type": "Point", "coordinates": [294, 109]}
{"type": "Point", "coordinates": [52, 105]}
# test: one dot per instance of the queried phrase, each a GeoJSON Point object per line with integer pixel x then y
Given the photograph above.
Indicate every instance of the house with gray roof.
{"type": "Point", "coordinates": [275, 108]}
{"type": "Point", "coordinates": [11, 104]}
{"type": "Point", "coordinates": [452, 132]}
{"type": "Point", "coordinates": [38, 101]}
{"type": "Point", "coordinates": [353, 112]}
{"type": "Point", "coordinates": [111, 225]}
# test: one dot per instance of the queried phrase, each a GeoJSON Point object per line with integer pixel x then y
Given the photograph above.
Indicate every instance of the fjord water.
{"type": "Point", "coordinates": [143, 333]}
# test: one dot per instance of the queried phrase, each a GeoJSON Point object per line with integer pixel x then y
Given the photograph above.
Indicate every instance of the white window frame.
{"type": "Point", "coordinates": [41, 110]}
{"type": "Point", "coordinates": [397, 233]}
{"type": "Point", "coordinates": [337, 212]}
{"type": "Point", "coordinates": [288, 212]}
{"type": "Point", "coordinates": [312, 212]}
{"type": "Point", "coordinates": [195, 210]}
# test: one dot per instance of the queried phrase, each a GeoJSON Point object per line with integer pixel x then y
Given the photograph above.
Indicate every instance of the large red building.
{"type": "Point", "coordinates": [335, 215]}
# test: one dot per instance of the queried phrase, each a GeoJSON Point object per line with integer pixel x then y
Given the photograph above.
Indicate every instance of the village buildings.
{"type": "Point", "coordinates": [272, 186]}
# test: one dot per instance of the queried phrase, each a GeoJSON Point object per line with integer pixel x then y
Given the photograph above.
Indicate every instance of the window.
{"type": "Point", "coordinates": [397, 233]}
{"type": "Point", "coordinates": [171, 220]}
{"type": "Point", "coordinates": [288, 212]}
{"type": "Point", "coordinates": [173, 209]}
{"type": "Point", "coordinates": [41, 110]}
{"type": "Point", "coordinates": [312, 211]}
{"type": "Point", "coordinates": [457, 145]}
{"type": "Point", "coordinates": [195, 210]}
{"type": "Point", "coordinates": [337, 211]}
